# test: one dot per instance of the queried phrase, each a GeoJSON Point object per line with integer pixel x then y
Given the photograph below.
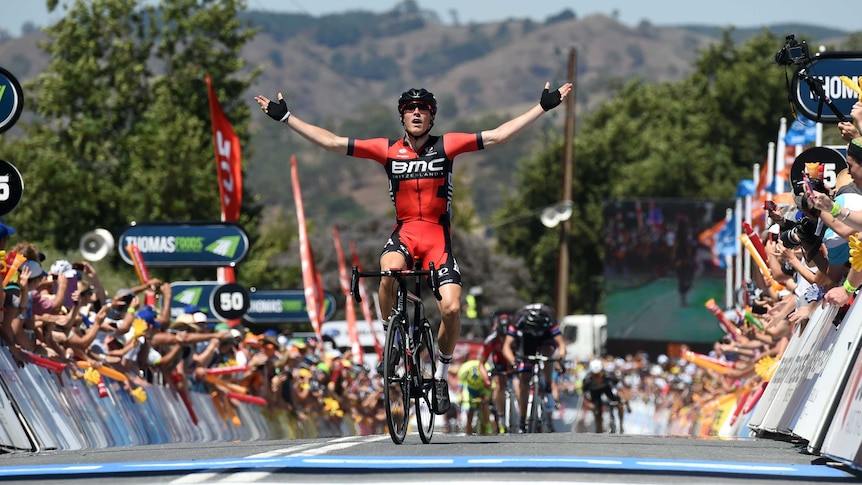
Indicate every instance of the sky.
{"type": "Point", "coordinates": [737, 13]}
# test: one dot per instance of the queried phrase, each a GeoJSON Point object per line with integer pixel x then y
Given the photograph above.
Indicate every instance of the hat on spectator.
{"type": "Point", "coordinates": [283, 341]}
{"type": "Point", "coordinates": [221, 326]}
{"type": "Point", "coordinates": [148, 315]}
{"type": "Point", "coordinates": [6, 231]}
{"type": "Point", "coordinates": [35, 268]}
{"type": "Point", "coordinates": [251, 340]}
{"type": "Point", "coordinates": [200, 317]}
{"type": "Point", "coordinates": [190, 309]}
{"type": "Point", "coordinates": [187, 320]}
{"type": "Point", "coordinates": [61, 266]}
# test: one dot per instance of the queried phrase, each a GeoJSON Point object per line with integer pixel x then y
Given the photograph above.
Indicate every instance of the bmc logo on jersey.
{"type": "Point", "coordinates": [417, 167]}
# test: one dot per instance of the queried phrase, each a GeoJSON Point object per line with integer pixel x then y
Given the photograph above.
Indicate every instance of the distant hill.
{"type": "Point", "coordinates": [345, 71]}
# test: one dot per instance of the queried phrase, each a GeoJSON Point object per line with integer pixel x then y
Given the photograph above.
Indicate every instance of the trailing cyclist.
{"type": "Point", "coordinates": [492, 351]}
{"type": "Point", "coordinates": [475, 386]}
{"type": "Point", "coordinates": [419, 167]}
{"type": "Point", "coordinates": [534, 330]}
{"type": "Point", "coordinates": [598, 383]}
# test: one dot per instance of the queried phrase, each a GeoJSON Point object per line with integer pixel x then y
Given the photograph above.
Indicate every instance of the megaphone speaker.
{"type": "Point", "coordinates": [96, 244]}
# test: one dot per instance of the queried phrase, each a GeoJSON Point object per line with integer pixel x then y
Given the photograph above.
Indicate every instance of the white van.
{"type": "Point", "coordinates": [337, 330]}
{"type": "Point", "coordinates": [586, 336]}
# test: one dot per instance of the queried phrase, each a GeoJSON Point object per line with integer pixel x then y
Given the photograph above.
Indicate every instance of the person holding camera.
{"type": "Point", "coordinates": [840, 295]}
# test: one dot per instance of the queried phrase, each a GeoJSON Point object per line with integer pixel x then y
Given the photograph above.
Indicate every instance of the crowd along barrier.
{"type": "Point", "coordinates": [44, 408]}
{"type": "Point", "coordinates": [815, 394]}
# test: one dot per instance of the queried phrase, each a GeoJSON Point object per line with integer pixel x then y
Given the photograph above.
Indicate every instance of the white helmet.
{"type": "Point", "coordinates": [596, 366]}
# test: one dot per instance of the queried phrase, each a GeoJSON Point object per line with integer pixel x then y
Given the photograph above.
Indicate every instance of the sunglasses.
{"type": "Point", "coordinates": [413, 106]}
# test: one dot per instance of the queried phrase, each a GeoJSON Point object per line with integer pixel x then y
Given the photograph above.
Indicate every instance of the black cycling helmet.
{"type": "Point", "coordinates": [421, 95]}
{"type": "Point", "coordinates": [536, 322]}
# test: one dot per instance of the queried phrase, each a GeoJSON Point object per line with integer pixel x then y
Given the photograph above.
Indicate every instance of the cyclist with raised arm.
{"type": "Point", "coordinates": [420, 171]}
{"type": "Point", "coordinates": [598, 383]}
{"type": "Point", "coordinates": [533, 330]}
{"type": "Point", "coordinates": [492, 352]}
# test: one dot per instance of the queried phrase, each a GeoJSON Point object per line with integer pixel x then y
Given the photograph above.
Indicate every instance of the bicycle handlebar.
{"type": "Point", "coordinates": [398, 274]}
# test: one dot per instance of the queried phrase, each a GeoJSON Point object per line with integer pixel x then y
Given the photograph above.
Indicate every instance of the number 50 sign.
{"type": "Point", "coordinates": [229, 301]}
{"type": "Point", "coordinates": [11, 187]}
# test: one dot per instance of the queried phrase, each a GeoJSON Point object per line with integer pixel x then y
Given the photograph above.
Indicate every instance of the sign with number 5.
{"type": "Point", "coordinates": [11, 187]}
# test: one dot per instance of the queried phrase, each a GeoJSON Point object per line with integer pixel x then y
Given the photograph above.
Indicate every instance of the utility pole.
{"type": "Point", "coordinates": [566, 194]}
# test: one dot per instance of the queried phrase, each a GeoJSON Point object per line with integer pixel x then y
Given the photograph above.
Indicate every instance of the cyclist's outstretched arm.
{"type": "Point", "coordinates": [321, 137]}
{"type": "Point", "coordinates": [509, 129]}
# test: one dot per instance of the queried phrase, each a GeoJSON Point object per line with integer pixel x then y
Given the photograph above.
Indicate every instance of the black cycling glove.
{"type": "Point", "coordinates": [278, 111]}
{"type": "Point", "coordinates": [550, 100]}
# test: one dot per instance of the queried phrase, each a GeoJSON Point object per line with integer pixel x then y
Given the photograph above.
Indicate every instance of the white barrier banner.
{"type": "Point", "coordinates": [818, 410]}
{"type": "Point", "coordinates": [844, 437]}
{"type": "Point", "coordinates": [781, 374]}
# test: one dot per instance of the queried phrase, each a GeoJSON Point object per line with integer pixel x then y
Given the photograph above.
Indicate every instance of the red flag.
{"type": "Point", "coordinates": [229, 171]}
{"type": "Point", "coordinates": [350, 314]}
{"type": "Point", "coordinates": [310, 277]}
{"type": "Point", "coordinates": [366, 306]}
{"type": "Point", "coordinates": [228, 159]}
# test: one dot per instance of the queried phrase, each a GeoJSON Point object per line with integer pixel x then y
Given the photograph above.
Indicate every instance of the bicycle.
{"type": "Point", "coordinates": [537, 408]}
{"type": "Point", "coordinates": [409, 358]}
{"type": "Point", "coordinates": [599, 411]}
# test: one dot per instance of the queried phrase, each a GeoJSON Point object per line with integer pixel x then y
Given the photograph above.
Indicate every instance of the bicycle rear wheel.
{"type": "Point", "coordinates": [427, 366]}
{"type": "Point", "coordinates": [396, 379]}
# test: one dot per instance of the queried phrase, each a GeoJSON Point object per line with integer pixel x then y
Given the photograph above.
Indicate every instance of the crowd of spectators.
{"type": "Point", "coordinates": [65, 315]}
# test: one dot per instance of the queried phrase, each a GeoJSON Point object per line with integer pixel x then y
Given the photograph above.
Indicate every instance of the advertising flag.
{"type": "Point", "coordinates": [350, 310]}
{"type": "Point", "coordinates": [311, 282]}
{"type": "Point", "coordinates": [228, 159]}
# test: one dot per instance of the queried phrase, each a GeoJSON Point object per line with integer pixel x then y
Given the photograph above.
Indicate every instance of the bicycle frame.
{"type": "Point", "coordinates": [409, 340]}
{"type": "Point", "coordinates": [599, 412]}
{"type": "Point", "coordinates": [536, 398]}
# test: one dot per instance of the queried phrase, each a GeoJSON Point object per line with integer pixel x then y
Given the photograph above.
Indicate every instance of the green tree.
{"type": "Point", "coordinates": [696, 138]}
{"type": "Point", "coordinates": [123, 128]}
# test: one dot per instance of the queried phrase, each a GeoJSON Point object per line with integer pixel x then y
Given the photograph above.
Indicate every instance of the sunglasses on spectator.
{"type": "Point", "coordinates": [420, 106]}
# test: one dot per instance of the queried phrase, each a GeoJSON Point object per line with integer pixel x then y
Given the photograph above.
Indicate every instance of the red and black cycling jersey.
{"type": "Point", "coordinates": [492, 347]}
{"type": "Point", "coordinates": [420, 184]}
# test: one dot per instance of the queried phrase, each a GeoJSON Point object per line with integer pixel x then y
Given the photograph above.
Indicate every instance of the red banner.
{"type": "Point", "coordinates": [350, 310]}
{"type": "Point", "coordinates": [138, 260]}
{"type": "Point", "coordinates": [228, 159]}
{"type": "Point", "coordinates": [365, 305]}
{"type": "Point", "coordinates": [314, 298]}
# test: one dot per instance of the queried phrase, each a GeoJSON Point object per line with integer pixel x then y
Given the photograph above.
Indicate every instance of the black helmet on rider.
{"type": "Point", "coordinates": [501, 323]}
{"type": "Point", "coordinates": [420, 96]}
{"type": "Point", "coordinates": [536, 322]}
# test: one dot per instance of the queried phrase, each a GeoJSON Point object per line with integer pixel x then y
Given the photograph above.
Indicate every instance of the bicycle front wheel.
{"type": "Point", "coordinates": [396, 390]}
{"type": "Point", "coordinates": [511, 411]}
{"type": "Point", "coordinates": [427, 366]}
{"type": "Point", "coordinates": [535, 409]}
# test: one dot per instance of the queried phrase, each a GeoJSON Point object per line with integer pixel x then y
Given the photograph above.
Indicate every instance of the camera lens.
{"type": "Point", "coordinates": [790, 238]}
